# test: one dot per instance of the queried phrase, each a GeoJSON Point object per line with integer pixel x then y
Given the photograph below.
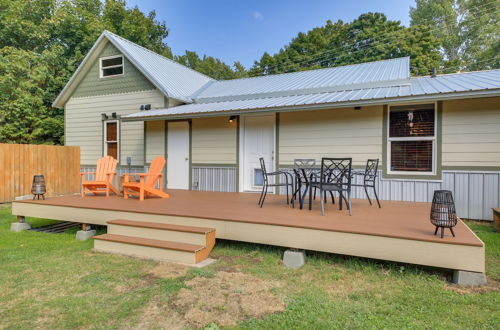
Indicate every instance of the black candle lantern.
{"type": "Point", "coordinates": [38, 187]}
{"type": "Point", "coordinates": [443, 214]}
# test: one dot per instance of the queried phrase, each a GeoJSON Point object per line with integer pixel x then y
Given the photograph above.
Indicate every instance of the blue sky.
{"type": "Point", "coordinates": [238, 30]}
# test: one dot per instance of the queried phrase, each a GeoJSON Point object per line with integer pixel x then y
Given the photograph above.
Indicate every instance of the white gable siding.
{"type": "Point", "coordinates": [84, 125]}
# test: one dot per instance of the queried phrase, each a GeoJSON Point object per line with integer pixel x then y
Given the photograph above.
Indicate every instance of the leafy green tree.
{"type": "Point", "coordinates": [42, 42]}
{"type": "Point", "coordinates": [370, 37]}
{"type": "Point", "coordinates": [468, 31]}
{"type": "Point", "coordinates": [211, 66]}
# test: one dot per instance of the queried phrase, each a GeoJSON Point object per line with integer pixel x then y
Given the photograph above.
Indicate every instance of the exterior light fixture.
{"type": "Point", "coordinates": [443, 214]}
{"type": "Point", "coordinates": [104, 116]}
{"type": "Point", "coordinates": [232, 119]}
{"type": "Point", "coordinates": [113, 115]}
{"type": "Point", "coordinates": [147, 107]}
{"type": "Point", "coordinates": [38, 187]}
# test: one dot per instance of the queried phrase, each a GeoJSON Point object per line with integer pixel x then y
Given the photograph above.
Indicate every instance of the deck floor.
{"type": "Point", "coordinates": [407, 220]}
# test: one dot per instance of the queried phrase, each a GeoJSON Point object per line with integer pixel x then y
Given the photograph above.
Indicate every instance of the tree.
{"type": "Point", "coordinates": [468, 31]}
{"type": "Point", "coordinates": [370, 37]}
{"type": "Point", "coordinates": [42, 42]}
{"type": "Point", "coordinates": [211, 66]}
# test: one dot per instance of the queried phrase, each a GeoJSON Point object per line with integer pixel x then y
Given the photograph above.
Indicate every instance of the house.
{"type": "Point", "coordinates": [429, 133]}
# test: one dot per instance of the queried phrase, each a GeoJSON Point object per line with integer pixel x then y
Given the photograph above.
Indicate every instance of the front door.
{"type": "Point", "coordinates": [178, 155]}
{"type": "Point", "coordinates": [257, 140]}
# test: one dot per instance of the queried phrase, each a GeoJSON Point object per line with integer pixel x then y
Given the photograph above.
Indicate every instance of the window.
{"type": "Point", "coordinates": [111, 136]}
{"type": "Point", "coordinates": [412, 139]}
{"type": "Point", "coordinates": [111, 66]}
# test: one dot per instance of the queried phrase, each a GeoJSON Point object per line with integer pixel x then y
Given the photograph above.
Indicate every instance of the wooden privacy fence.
{"type": "Point", "coordinates": [20, 162]}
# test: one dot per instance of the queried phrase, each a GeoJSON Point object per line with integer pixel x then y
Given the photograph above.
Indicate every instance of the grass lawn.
{"type": "Point", "coordinates": [54, 281]}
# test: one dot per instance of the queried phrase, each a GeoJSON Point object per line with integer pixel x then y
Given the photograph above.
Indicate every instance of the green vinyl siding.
{"type": "Point", "coordinates": [131, 81]}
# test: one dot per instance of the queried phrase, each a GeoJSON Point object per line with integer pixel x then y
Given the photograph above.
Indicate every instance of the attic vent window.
{"type": "Point", "coordinates": [111, 66]}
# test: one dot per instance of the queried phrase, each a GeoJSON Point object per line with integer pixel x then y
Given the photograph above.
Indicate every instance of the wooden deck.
{"type": "Point", "coordinates": [399, 231]}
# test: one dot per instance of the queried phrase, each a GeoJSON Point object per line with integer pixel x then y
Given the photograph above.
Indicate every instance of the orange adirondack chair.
{"type": "Point", "coordinates": [103, 178]}
{"type": "Point", "coordinates": [146, 187]}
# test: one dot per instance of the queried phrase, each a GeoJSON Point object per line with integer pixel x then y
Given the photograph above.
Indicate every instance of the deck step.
{"type": "Point", "coordinates": [151, 248]}
{"type": "Point", "coordinates": [150, 242]}
{"type": "Point", "coordinates": [163, 231]}
{"type": "Point", "coordinates": [163, 226]}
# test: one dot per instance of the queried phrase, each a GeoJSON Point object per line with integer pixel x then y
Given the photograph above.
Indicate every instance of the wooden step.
{"type": "Point", "coordinates": [163, 226]}
{"type": "Point", "coordinates": [165, 232]}
{"type": "Point", "coordinates": [151, 248]}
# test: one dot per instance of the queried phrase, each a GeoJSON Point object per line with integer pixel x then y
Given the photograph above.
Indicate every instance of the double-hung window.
{"type": "Point", "coordinates": [411, 139]}
{"type": "Point", "coordinates": [111, 138]}
{"type": "Point", "coordinates": [111, 66]}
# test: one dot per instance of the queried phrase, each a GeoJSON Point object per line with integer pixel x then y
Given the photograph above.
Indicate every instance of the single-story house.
{"type": "Point", "coordinates": [435, 132]}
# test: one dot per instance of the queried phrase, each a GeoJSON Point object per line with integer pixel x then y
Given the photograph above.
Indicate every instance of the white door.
{"type": "Point", "coordinates": [257, 140]}
{"type": "Point", "coordinates": [178, 155]}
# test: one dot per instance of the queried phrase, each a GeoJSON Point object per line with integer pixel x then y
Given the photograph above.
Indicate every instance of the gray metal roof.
{"type": "Point", "coordinates": [472, 84]}
{"type": "Point", "coordinates": [173, 79]}
{"type": "Point", "coordinates": [373, 74]}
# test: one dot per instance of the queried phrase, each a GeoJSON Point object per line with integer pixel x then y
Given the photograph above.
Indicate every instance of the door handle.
{"type": "Point", "coordinates": [186, 159]}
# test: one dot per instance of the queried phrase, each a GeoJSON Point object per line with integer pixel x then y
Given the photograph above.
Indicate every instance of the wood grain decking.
{"type": "Point", "coordinates": [406, 220]}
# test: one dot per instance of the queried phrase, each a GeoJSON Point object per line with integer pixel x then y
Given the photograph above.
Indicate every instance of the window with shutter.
{"type": "Point", "coordinates": [411, 139]}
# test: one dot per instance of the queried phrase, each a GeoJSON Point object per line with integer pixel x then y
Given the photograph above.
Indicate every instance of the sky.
{"type": "Point", "coordinates": [242, 30]}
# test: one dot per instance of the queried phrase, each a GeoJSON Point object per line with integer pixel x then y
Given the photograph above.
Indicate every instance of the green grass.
{"type": "Point", "coordinates": [54, 281]}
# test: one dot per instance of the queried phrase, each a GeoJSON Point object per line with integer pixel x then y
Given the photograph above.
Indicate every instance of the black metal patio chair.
{"type": "Point", "coordinates": [369, 179]}
{"type": "Point", "coordinates": [335, 176]}
{"type": "Point", "coordinates": [266, 184]}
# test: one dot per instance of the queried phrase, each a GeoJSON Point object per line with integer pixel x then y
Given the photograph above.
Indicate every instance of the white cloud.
{"type": "Point", "coordinates": [258, 15]}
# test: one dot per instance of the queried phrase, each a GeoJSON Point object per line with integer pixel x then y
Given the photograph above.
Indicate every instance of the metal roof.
{"type": "Point", "coordinates": [373, 74]}
{"type": "Point", "coordinates": [171, 78]}
{"type": "Point", "coordinates": [472, 84]}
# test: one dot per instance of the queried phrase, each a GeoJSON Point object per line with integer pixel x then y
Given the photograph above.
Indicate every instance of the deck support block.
{"type": "Point", "coordinates": [19, 226]}
{"type": "Point", "coordinates": [294, 259]}
{"type": "Point", "coordinates": [465, 278]}
{"type": "Point", "coordinates": [83, 235]}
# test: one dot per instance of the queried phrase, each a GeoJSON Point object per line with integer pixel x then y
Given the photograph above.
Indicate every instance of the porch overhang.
{"type": "Point", "coordinates": [290, 104]}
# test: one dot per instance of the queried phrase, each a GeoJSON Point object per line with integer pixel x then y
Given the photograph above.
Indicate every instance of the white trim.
{"type": "Point", "coordinates": [105, 140]}
{"type": "Point", "coordinates": [101, 76]}
{"type": "Point", "coordinates": [424, 138]}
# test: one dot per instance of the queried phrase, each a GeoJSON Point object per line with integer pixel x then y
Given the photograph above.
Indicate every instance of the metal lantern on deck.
{"type": "Point", "coordinates": [38, 187]}
{"type": "Point", "coordinates": [443, 214]}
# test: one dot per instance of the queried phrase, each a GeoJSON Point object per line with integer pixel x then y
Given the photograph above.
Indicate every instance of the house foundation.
{"type": "Point", "coordinates": [465, 278]}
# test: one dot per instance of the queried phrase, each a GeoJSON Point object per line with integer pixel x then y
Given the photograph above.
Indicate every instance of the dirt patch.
{"type": "Point", "coordinates": [159, 315]}
{"type": "Point", "coordinates": [491, 286]}
{"type": "Point", "coordinates": [226, 298]}
{"type": "Point", "coordinates": [169, 270]}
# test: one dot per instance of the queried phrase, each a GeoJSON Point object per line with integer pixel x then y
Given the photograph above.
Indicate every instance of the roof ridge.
{"type": "Point", "coordinates": [155, 53]}
{"type": "Point", "coordinates": [322, 69]}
